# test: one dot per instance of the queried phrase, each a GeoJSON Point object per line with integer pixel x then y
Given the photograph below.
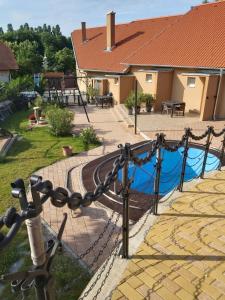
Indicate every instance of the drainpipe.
{"type": "Point", "coordinates": [217, 95]}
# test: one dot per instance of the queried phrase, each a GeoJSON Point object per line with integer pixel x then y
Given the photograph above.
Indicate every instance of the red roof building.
{"type": "Point", "coordinates": [179, 57]}
{"type": "Point", "coordinates": [7, 62]}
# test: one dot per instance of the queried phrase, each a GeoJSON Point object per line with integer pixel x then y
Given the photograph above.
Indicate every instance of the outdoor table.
{"type": "Point", "coordinates": [171, 105]}
{"type": "Point", "coordinates": [104, 100]}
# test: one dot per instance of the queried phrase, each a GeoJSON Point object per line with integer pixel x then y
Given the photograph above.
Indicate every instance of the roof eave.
{"type": "Point", "coordinates": [173, 66]}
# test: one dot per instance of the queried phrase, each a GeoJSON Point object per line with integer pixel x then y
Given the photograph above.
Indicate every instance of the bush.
{"type": "Point", "coordinates": [38, 102]}
{"type": "Point", "coordinates": [88, 136]}
{"type": "Point", "coordinates": [130, 101]}
{"type": "Point", "coordinates": [12, 89]}
{"type": "Point", "coordinates": [146, 98]}
{"type": "Point", "coordinates": [60, 121]}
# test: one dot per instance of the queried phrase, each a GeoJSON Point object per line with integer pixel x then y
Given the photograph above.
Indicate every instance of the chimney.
{"type": "Point", "coordinates": [110, 31]}
{"type": "Point", "coordinates": [84, 33]}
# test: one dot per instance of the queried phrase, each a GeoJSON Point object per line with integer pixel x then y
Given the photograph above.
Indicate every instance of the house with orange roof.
{"type": "Point", "coordinates": [7, 63]}
{"type": "Point", "coordinates": [179, 58]}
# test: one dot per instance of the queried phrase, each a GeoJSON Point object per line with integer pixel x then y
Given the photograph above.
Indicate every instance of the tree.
{"type": "Point", "coordinates": [64, 60]}
{"type": "Point", "coordinates": [1, 31]}
{"type": "Point", "coordinates": [9, 28]}
{"type": "Point", "coordinates": [28, 59]}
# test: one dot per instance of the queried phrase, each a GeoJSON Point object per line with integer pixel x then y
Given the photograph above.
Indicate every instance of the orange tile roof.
{"type": "Point", "coordinates": [197, 39]}
{"type": "Point", "coordinates": [53, 74]}
{"type": "Point", "coordinates": [7, 59]}
{"type": "Point", "coordinates": [92, 55]}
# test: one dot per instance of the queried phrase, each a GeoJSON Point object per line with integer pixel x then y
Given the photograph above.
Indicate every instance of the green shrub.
{"type": "Point", "coordinates": [38, 102]}
{"type": "Point", "coordinates": [92, 92]}
{"type": "Point", "coordinates": [60, 121]}
{"type": "Point", "coordinates": [88, 136]}
{"type": "Point", "coordinates": [130, 101]}
{"type": "Point", "coordinates": [12, 89]}
{"type": "Point", "coordinates": [146, 98]}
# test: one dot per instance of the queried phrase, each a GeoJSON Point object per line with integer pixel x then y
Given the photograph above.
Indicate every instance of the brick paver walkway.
{"type": "Point", "coordinates": [183, 254]}
{"type": "Point", "coordinates": [84, 226]}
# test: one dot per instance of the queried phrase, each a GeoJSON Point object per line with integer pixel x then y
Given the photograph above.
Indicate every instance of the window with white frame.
{"type": "Point", "coordinates": [148, 78]}
{"type": "Point", "coordinates": [191, 82]}
{"type": "Point", "coordinates": [116, 81]}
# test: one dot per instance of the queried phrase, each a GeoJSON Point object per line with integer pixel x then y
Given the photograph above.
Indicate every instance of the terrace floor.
{"type": "Point", "coordinates": [150, 124]}
{"type": "Point", "coordinates": [183, 254]}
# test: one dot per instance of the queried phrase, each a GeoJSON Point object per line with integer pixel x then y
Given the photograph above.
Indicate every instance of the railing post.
{"type": "Point", "coordinates": [206, 151]}
{"type": "Point", "coordinates": [187, 131]}
{"type": "Point", "coordinates": [125, 196]}
{"type": "Point", "coordinates": [222, 153]}
{"type": "Point", "coordinates": [158, 172]}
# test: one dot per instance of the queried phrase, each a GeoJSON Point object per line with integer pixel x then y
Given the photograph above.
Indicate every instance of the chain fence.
{"type": "Point", "coordinates": [164, 181]}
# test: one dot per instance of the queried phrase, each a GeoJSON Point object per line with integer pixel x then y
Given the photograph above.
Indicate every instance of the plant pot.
{"type": "Point", "coordinates": [67, 151]}
{"type": "Point", "coordinates": [138, 110]}
{"type": "Point", "coordinates": [130, 111]}
{"type": "Point", "coordinates": [148, 108]}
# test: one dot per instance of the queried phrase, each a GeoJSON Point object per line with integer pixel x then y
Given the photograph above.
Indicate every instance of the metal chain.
{"type": "Point", "coordinates": [102, 268]}
{"type": "Point", "coordinates": [94, 244]}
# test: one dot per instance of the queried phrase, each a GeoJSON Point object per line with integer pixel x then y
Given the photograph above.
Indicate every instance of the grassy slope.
{"type": "Point", "coordinates": [35, 149]}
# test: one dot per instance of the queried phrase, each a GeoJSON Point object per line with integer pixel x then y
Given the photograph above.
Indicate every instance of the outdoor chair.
{"type": "Point", "coordinates": [166, 109]}
{"type": "Point", "coordinates": [179, 109]}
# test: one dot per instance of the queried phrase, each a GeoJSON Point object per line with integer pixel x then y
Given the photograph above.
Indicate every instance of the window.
{"type": "Point", "coordinates": [116, 81]}
{"type": "Point", "coordinates": [148, 78]}
{"type": "Point", "coordinates": [191, 82]}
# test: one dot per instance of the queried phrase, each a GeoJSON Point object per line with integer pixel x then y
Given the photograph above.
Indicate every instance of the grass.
{"type": "Point", "coordinates": [34, 150]}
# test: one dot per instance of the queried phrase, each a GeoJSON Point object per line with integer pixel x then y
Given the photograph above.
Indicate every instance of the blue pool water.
{"type": "Point", "coordinates": [171, 169]}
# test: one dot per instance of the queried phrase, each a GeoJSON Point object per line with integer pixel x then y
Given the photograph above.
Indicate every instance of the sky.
{"type": "Point", "coordinates": [70, 13]}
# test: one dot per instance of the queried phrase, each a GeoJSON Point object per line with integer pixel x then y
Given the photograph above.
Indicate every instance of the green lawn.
{"type": "Point", "coordinates": [35, 149]}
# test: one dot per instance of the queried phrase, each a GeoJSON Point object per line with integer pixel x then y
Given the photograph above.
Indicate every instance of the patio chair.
{"type": "Point", "coordinates": [166, 109]}
{"type": "Point", "coordinates": [179, 109]}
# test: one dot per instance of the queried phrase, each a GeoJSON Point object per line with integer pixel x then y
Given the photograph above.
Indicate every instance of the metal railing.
{"type": "Point", "coordinates": [42, 191]}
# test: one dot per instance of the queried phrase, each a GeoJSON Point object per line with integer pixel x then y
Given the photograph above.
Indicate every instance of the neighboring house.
{"type": "Point", "coordinates": [7, 63]}
{"type": "Point", "coordinates": [178, 58]}
{"type": "Point", "coordinates": [59, 80]}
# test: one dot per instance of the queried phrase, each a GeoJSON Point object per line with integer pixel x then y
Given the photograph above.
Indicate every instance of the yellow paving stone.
{"type": "Point", "coordinates": [132, 267]}
{"type": "Point", "coordinates": [185, 284]}
{"type": "Point", "coordinates": [134, 281]}
{"type": "Point", "coordinates": [171, 285]}
{"type": "Point", "coordinates": [147, 279]}
{"type": "Point", "coordinates": [143, 290]}
{"type": "Point", "coordinates": [166, 294]}
{"type": "Point", "coordinates": [210, 290]}
{"type": "Point", "coordinates": [186, 274]}
{"type": "Point", "coordinates": [163, 268]}
{"type": "Point", "coordinates": [129, 292]}
{"type": "Point", "coordinates": [116, 295]}
{"type": "Point", "coordinates": [196, 271]}
{"type": "Point", "coordinates": [184, 295]}
{"type": "Point", "coordinates": [152, 271]}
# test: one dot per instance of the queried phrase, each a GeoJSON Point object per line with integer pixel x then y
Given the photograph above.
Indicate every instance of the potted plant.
{"type": "Point", "coordinates": [129, 105]}
{"type": "Point", "coordinates": [148, 99]}
{"type": "Point", "coordinates": [92, 92]}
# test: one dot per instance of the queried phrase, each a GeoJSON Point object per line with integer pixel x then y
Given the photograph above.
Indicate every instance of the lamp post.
{"type": "Point", "coordinates": [135, 108]}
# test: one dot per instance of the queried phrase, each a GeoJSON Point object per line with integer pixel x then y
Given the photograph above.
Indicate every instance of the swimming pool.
{"type": "Point", "coordinates": [144, 176]}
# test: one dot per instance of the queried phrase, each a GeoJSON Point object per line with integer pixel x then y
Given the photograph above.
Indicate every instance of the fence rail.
{"type": "Point", "coordinates": [42, 191]}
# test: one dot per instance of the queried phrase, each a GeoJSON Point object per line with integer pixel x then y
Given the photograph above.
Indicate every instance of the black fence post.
{"type": "Point", "coordinates": [125, 195]}
{"type": "Point", "coordinates": [206, 151]}
{"type": "Point", "coordinates": [160, 137]}
{"type": "Point", "coordinates": [222, 153]}
{"type": "Point", "coordinates": [187, 135]}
